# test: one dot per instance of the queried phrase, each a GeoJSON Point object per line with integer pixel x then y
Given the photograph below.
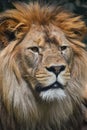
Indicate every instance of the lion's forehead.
{"type": "Point", "coordinates": [40, 35]}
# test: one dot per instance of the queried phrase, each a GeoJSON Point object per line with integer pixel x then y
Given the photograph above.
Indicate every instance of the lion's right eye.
{"type": "Point", "coordinates": [34, 49]}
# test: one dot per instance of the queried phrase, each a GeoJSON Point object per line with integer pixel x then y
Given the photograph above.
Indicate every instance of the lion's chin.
{"type": "Point", "coordinates": [52, 92]}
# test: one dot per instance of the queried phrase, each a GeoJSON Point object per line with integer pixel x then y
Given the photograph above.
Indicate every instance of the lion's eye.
{"type": "Point", "coordinates": [34, 49]}
{"type": "Point", "coordinates": [62, 48]}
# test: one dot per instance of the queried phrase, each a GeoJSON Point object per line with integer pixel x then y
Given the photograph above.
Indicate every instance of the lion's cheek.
{"type": "Point", "coordinates": [68, 55]}
{"type": "Point", "coordinates": [31, 59]}
{"type": "Point", "coordinates": [63, 79]}
{"type": "Point", "coordinates": [45, 78]}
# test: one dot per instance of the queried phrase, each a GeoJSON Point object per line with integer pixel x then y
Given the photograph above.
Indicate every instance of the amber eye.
{"type": "Point", "coordinates": [34, 49]}
{"type": "Point", "coordinates": [62, 48]}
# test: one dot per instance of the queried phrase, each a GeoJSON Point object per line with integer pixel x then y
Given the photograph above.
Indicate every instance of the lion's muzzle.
{"type": "Point", "coordinates": [56, 69]}
{"type": "Point", "coordinates": [55, 85]}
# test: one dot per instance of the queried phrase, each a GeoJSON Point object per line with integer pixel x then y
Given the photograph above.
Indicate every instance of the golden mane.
{"type": "Point", "coordinates": [21, 19]}
{"type": "Point", "coordinates": [21, 109]}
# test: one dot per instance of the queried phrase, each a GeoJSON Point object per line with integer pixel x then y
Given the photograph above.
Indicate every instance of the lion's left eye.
{"type": "Point", "coordinates": [34, 49]}
{"type": "Point", "coordinates": [62, 48]}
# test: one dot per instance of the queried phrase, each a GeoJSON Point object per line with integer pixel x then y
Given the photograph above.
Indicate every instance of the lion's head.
{"type": "Point", "coordinates": [43, 66]}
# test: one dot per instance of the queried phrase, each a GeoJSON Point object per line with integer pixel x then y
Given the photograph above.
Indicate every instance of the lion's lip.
{"type": "Point", "coordinates": [56, 85]}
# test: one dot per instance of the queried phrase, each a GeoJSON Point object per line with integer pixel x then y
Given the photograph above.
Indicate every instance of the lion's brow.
{"type": "Point", "coordinates": [51, 40]}
{"type": "Point", "coordinates": [48, 38]}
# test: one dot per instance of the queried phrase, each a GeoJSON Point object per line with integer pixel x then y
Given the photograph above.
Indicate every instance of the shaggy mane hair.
{"type": "Point", "coordinates": [20, 112]}
{"type": "Point", "coordinates": [21, 19]}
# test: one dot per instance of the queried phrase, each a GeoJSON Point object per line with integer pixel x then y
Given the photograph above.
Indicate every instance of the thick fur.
{"type": "Point", "coordinates": [21, 107]}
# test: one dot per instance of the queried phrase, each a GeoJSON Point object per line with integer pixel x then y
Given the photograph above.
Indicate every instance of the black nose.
{"type": "Point", "coordinates": [56, 69]}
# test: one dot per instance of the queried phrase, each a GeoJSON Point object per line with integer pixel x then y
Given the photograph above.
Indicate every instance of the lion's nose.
{"type": "Point", "coordinates": [56, 69]}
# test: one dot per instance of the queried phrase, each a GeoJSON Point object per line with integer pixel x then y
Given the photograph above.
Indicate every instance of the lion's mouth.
{"type": "Point", "coordinates": [55, 85]}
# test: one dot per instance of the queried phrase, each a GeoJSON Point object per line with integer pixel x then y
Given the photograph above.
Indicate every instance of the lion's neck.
{"type": "Point", "coordinates": [29, 113]}
{"type": "Point", "coordinates": [48, 116]}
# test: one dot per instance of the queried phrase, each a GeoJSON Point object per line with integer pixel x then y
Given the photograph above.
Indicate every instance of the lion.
{"type": "Point", "coordinates": [43, 68]}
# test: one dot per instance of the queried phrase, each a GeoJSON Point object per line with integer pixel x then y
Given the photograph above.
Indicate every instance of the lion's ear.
{"type": "Point", "coordinates": [10, 29]}
{"type": "Point", "coordinates": [81, 32]}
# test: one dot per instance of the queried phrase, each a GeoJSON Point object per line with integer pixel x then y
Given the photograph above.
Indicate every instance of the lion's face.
{"type": "Point", "coordinates": [46, 57]}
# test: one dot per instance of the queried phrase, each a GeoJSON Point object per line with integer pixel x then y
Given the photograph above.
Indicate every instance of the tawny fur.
{"type": "Point", "coordinates": [20, 106]}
